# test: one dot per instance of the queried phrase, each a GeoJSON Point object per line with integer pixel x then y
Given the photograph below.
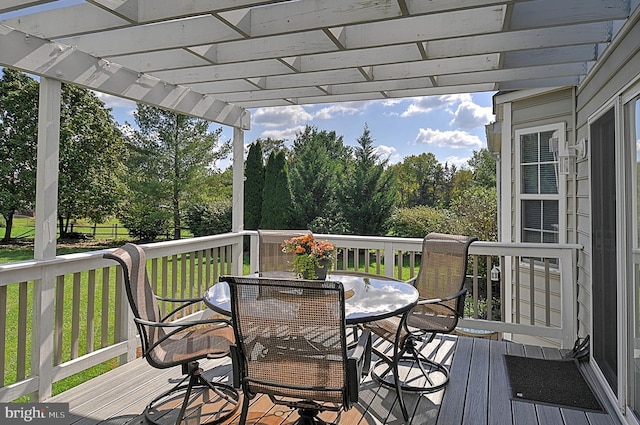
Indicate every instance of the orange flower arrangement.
{"type": "Point", "coordinates": [311, 254]}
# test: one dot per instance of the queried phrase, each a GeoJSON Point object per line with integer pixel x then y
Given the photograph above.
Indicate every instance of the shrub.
{"type": "Point", "coordinates": [146, 222]}
{"type": "Point", "coordinates": [416, 222]}
{"type": "Point", "coordinates": [209, 219]}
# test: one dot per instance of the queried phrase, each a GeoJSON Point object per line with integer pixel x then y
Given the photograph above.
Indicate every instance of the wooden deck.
{"type": "Point", "coordinates": [476, 394]}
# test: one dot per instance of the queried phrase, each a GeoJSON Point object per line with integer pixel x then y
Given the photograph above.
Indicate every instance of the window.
{"type": "Point", "coordinates": [538, 203]}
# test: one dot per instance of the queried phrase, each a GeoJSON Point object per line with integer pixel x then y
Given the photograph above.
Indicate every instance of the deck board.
{"type": "Point", "coordinates": [477, 393]}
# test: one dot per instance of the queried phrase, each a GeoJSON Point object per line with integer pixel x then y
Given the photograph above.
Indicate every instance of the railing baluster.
{"type": "Point", "coordinates": [104, 320]}
{"type": "Point", "coordinates": [154, 275]}
{"type": "Point", "coordinates": [367, 260]}
{"type": "Point", "coordinates": [475, 287]}
{"type": "Point", "coordinates": [164, 280]}
{"type": "Point", "coordinates": [21, 369]}
{"type": "Point", "coordinates": [517, 287]}
{"type": "Point", "coordinates": [502, 288]}
{"type": "Point", "coordinates": [184, 259]}
{"type": "Point", "coordinates": [3, 331]}
{"type": "Point", "coordinates": [75, 316]}
{"type": "Point", "coordinates": [91, 300]}
{"type": "Point", "coordinates": [547, 293]}
{"type": "Point", "coordinates": [200, 278]}
{"type": "Point", "coordinates": [174, 279]}
{"type": "Point", "coordinates": [59, 320]}
{"type": "Point", "coordinates": [489, 288]}
{"type": "Point", "coordinates": [532, 291]}
{"type": "Point", "coordinates": [209, 279]}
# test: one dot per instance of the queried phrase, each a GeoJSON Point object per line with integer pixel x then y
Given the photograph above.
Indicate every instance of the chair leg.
{"type": "Point", "coordinates": [221, 399]}
{"type": "Point", "coordinates": [245, 410]}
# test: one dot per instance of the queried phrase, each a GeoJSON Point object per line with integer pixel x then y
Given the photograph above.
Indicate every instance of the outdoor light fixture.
{"type": "Point", "coordinates": [495, 273]}
{"type": "Point", "coordinates": [568, 156]}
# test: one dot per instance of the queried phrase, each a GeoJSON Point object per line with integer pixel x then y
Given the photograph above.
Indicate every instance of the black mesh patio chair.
{"type": "Point", "coordinates": [168, 343]}
{"type": "Point", "coordinates": [440, 282]}
{"type": "Point", "coordinates": [291, 345]}
{"type": "Point", "coordinates": [270, 256]}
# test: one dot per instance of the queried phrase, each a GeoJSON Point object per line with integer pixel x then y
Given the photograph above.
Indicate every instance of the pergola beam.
{"type": "Point", "coordinates": [48, 59]}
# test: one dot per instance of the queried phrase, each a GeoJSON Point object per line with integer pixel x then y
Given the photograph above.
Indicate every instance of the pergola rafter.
{"type": "Point", "coordinates": [270, 53]}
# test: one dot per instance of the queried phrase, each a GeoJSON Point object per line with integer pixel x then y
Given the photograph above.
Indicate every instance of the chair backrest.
{"type": "Point", "coordinates": [443, 267]}
{"type": "Point", "coordinates": [291, 337]}
{"type": "Point", "coordinates": [270, 255]}
{"type": "Point", "coordinates": [141, 298]}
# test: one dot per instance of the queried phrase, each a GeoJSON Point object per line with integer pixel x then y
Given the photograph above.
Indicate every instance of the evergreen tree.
{"type": "Point", "coordinates": [253, 186]}
{"type": "Point", "coordinates": [276, 198]}
{"type": "Point", "coordinates": [318, 158]}
{"type": "Point", "coordinates": [272, 145]}
{"type": "Point", "coordinates": [368, 194]}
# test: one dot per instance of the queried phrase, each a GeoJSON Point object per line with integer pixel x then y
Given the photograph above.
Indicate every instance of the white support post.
{"type": "Point", "coordinates": [45, 232]}
{"type": "Point", "coordinates": [237, 220]}
{"type": "Point", "coordinates": [505, 212]}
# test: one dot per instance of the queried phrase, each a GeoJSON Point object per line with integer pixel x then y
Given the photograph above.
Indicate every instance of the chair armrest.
{"type": "Point", "coordinates": [237, 363]}
{"type": "Point", "coordinates": [184, 303]}
{"type": "Point", "coordinates": [412, 281]}
{"type": "Point", "coordinates": [440, 300]}
{"type": "Point", "coordinates": [178, 327]}
{"type": "Point", "coordinates": [358, 364]}
{"type": "Point", "coordinates": [184, 323]}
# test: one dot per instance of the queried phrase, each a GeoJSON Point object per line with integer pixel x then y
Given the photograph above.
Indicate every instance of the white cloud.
{"type": "Point", "coordinates": [457, 161]}
{"type": "Point", "coordinates": [341, 109]}
{"type": "Point", "coordinates": [385, 151]}
{"type": "Point", "coordinates": [470, 115]}
{"type": "Point", "coordinates": [426, 104]}
{"type": "Point", "coordinates": [116, 102]}
{"type": "Point", "coordinates": [283, 134]}
{"type": "Point", "coordinates": [455, 139]}
{"type": "Point", "coordinates": [280, 116]}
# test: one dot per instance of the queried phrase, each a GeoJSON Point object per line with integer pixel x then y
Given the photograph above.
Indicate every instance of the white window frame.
{"type": "Point", "coordinates": [561, 196]}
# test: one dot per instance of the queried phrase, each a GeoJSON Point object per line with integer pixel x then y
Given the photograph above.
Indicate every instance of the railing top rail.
{"type": "Point", "coordinates": [70, 263]}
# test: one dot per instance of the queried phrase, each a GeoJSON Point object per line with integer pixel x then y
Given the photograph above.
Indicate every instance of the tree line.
{"type": "Point", "coordinates": [157, 177]}
{"type": "Point", "coordinates": [325, 186]}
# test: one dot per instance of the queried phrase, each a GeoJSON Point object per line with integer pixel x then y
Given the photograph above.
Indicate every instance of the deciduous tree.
{"type": "Point", "coordinates": [90, 166]}
{"type": "Point", "coordinates": [18, 144]}
{"type": "Point", "coordinates": [170, 158]}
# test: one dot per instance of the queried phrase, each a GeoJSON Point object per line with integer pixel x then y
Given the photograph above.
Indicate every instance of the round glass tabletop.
{"type": "Point", "coordinates": [367, 297]}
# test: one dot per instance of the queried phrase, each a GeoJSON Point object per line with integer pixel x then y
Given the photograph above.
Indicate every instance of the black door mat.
{"type": "Point", "coordinates": [553, 382]}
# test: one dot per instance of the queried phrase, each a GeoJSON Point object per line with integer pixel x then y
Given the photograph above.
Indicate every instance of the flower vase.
{"type": "Point", "coordinates": [321, 272]}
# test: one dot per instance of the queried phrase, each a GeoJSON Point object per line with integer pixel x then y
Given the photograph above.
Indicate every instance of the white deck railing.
{"type": "Point", "coordinates": [62, 316]}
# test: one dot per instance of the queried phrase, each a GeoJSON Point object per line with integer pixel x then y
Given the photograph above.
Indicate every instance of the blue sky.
{"type": "Point", "coordinates": [450, 126]}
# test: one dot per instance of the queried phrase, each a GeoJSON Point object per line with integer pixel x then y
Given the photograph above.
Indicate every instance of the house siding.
{"type": "Point", "coordinates": [616, 71]}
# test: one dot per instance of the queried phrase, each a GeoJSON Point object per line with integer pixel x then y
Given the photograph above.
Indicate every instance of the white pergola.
{"type": "Point", "coordinates": [214, 58]}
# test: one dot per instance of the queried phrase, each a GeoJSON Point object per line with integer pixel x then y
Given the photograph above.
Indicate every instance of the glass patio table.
{"type": "Point", "coordinates": [367, 297]}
